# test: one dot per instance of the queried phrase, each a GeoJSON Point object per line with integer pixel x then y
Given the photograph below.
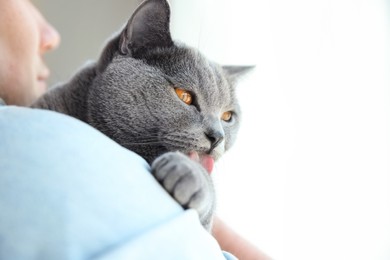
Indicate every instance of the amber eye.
{"type": "Point", "coordinates": [184, 95]}
{"type": "Point", "coordinates": [227, 116]}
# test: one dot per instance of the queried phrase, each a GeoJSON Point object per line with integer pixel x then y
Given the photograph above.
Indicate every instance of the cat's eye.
{"type": "Point", "coordinates": [184, 95]}
{"type": "Point", "coordinates": [227, 116]}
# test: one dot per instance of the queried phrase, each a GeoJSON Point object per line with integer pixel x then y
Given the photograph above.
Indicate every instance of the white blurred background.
{"type": "Point", "coordinates": [309, 177]}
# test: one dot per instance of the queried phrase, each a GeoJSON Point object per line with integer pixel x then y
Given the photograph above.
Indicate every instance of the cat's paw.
{"type": "Point", "coordinates": [187, 182]}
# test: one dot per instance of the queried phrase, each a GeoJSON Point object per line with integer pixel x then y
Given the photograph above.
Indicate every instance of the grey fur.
{"type": "Point", "coordinates": [188, 182]}
{"type": "Point", "coordinates": [129, 95]}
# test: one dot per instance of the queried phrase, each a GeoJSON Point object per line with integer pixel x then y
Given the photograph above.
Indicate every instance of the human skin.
{"type": "Point", "coordinates": [229, 240]}
{"type": "Point", "coordinates": [25, 36]}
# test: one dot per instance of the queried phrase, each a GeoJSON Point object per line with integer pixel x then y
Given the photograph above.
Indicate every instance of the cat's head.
{"type": "Point", "coordinates": [154, 95]}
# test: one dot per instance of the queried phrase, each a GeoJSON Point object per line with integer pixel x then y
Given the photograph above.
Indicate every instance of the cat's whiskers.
{"type": "Point", "coordinates": [141, 143]}
{"type": "Point", "coordinates": [149, 139]}
{"type": "Point", "coordinates": [177, 145]}
{"type": "Point", "coordinates": [180, 137]}
{"type": "Point", "coordinates": [172, 139]}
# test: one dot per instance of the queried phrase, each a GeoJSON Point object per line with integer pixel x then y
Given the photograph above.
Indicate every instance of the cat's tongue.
{"type": "Point", "coordinates": [205, 160]}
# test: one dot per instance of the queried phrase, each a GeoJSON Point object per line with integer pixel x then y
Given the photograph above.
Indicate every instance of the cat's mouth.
{"type": "Point", "coordinates": [206, 160]}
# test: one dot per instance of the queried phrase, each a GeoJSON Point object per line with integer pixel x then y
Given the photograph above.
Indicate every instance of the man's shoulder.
{"type": "Point", "coordinates": [30, 131]}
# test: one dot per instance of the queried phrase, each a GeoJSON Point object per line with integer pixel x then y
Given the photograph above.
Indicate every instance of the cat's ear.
{"type": "Point", "coordinates": [147, 28]}
{"type": "Point", "coordinates": [236, 72]}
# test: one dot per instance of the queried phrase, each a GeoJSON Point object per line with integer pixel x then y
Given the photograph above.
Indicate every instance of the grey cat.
{"type": "Point", "coordinates": [160, 99]}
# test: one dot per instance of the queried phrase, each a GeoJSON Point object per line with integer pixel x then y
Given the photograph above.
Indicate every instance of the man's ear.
{"type": "Point", "coordinates": [147, 28]}
{"type": "Point", "coordinates": [236, 72]}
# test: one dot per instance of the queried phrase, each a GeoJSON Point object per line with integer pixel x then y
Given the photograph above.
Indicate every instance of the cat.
{"type": "Point", "coordinates": [162, 100]}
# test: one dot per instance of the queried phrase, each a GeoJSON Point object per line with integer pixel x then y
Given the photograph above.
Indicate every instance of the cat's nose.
{"type": "Point", "coordinates": [215, 138]}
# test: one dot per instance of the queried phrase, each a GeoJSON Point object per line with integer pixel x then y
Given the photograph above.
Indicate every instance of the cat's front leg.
{"type": "Point", "coordinates": [188, 183]}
